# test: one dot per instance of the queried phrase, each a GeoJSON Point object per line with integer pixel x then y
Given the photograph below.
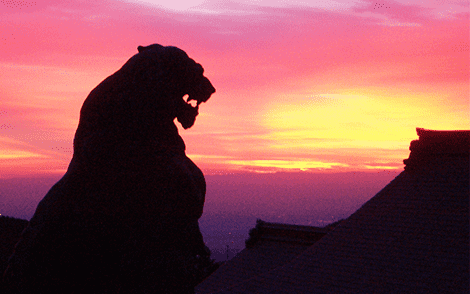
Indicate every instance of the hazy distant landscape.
{"type": "Point", "coordinates": [235, 201]}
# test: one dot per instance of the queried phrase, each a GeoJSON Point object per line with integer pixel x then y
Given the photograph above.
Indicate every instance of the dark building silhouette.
{"type": "Point", "coordinates": [412, 237]}
{"type": "Point", "coordinates": [270, 245]}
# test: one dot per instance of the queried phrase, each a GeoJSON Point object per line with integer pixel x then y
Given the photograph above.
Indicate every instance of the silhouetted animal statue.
{"type": "Point", "coordinates": [124, 218]}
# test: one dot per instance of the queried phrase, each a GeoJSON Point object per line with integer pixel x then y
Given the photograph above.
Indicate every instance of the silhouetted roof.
{"type": "Point", "coordinates": [284, 233]}
{"type": "Point", "coordinates": [270, 245]}
{"type": "Point", "coordinates": [412, 237]}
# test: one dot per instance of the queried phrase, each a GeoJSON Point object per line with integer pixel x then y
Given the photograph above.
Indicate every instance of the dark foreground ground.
{"type": "Point", "coordinates": [10, 231]}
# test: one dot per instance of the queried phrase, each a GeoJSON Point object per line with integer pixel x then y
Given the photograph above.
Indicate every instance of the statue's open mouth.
{"type": "Point", "coordinates": [191, 101]}
{"type": "Point", "coordinates": [201, 93]}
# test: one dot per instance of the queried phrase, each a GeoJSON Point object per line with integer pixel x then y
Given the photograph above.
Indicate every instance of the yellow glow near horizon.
{"type": "Point", "coordinates": [15, 154]}
{"type": "Point", "coordinates": [335, 116]}
{"type": "Point", "coordinates": [349, 121]}
{"type": "Point", "coordinates": [288, 164]}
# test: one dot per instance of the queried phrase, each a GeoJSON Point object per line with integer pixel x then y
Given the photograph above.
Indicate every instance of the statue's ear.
{"type": "Point", "coordinates": [156, 47]}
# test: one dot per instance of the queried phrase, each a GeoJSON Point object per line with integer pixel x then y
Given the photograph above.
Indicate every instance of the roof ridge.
{"type": "Point", "coordinates": [434, 144]}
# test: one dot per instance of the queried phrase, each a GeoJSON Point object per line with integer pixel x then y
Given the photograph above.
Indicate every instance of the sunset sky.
{"type": "Point", "coordinates": [319, 86]}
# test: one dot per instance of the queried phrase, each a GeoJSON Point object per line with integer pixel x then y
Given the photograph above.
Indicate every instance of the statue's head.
{"type": "Point", "coordinates": [183, 79]}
